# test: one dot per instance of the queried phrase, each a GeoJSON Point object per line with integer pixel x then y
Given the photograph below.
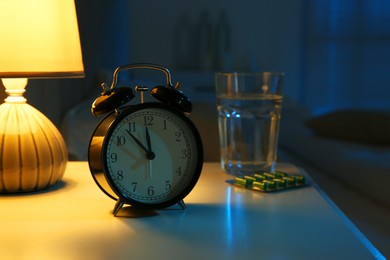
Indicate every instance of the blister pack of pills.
{"type": "Point", "coordinates": [269, 182]}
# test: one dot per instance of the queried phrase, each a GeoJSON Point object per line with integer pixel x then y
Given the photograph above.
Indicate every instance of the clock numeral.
{"type": "Point", "coordinates": [119, 176]}
{"type": "Point", "coordinates": [178, 171]}
{"type": "Point", "coordinates": [131, 127]}
{"type": "Point", "coordinates": [120, 140]}
{"type": "Point", "coordinates": [165, 125]}
{"type": "Point", "coordinates": [184, 154]}
{"type": "Point", "coordinates": [148, 120]}
{"type": "Point", "coordinates": [178, 136]}
{"type": "Point", "coordinates": [134, 184]}
{"type": "Point", "coordinates": [113, 157]}
{"type": "Point", "coordinates": [151, 191]}
{"type": "Point", "coordinates": [168, 185]}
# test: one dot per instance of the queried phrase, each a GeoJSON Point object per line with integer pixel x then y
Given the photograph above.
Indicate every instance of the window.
{"type": "Point", "coordinates": [347, 55]}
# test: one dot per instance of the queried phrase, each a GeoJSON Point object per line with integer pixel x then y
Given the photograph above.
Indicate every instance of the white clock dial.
{"type": "Point", "coordinates": [151, 155]}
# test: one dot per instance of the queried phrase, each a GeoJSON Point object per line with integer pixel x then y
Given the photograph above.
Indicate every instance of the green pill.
{"type": "Point", "coordinates": [289, 181]}
{"type": "Point", "coordinates": [259, 177]}
{"type": "Point", "coordinates": [269, 175]}
{"type": "Point", "coordinates": [240, 181]}
{"type": "Point", "coordinates": [279, 174]}
{"type": "Point", "coordinates": [249, 180]}
{"type": "Point", "coordinates": [280, 184]}
{"type": "Point", "coordinates": [258, 186]}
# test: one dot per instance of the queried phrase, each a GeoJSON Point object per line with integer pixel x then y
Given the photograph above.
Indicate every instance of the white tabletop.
{"type": "Point", "coordinates": [221, 221]}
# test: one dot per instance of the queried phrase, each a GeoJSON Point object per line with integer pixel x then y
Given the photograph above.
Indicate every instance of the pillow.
{"type": "Point", "coordinates": [366, 126]}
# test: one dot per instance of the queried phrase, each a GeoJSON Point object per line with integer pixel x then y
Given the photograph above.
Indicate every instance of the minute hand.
{"type": "Point", "coordinates": [148, 140]}
{"type": "Point", "coordinates": [149, 154]}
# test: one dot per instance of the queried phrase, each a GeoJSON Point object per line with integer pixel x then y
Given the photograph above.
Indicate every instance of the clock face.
{"type": "Point", "coordinates": [153, 155]}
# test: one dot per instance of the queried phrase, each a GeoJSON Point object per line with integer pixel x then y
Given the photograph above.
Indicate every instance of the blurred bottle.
{"type": "Point", "coordinates": [184, 44]}
{"type": "Point", "coordinates": [205, 42]}
{"type": "Point", "coordinates": [222, 60]}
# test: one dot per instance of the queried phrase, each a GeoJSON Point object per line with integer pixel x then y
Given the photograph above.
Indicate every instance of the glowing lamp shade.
{"type": "Point", "coordinates": [38, 39]}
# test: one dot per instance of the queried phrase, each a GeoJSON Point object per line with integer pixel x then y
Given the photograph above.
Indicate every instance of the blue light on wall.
{"type": "Point", "coordinates": [348, 55]}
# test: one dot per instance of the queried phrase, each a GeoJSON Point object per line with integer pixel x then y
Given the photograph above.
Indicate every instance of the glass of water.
{"type": "Point", "coordinates": [249, 107]}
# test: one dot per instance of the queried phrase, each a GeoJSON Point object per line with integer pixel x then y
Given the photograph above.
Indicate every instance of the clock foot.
{"type": "Point", "coordinates": [118, 205]}
{"type": "Point", "coordinates": [181, 204]}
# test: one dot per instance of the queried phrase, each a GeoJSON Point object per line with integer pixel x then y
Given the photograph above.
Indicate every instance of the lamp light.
{"type": "Point", "coordinates": [38, 39]}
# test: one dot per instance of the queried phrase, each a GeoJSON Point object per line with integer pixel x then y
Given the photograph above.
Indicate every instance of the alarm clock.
{"type": "Point", "coordinates": [147, 155]}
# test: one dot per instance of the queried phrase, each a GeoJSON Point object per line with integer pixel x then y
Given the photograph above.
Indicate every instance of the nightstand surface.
{"type": "Point", "coordinates": [221, 221]}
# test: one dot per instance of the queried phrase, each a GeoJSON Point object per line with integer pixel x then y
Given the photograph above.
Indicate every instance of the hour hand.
{"type": "Point", "coordinates": [149, 154]}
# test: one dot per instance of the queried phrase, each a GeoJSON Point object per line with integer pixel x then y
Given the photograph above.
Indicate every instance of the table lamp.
{"type": "Point", "coordinates": [38, 39]}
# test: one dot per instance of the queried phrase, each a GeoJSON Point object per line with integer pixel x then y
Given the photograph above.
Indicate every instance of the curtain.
{"type": "Point", "coordinates": [347, 54]}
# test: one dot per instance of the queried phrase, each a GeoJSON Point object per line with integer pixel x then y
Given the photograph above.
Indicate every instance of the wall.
{"type": "Point", "coordinates": [265, 35]}
{"type": "Point", "coordinates": [335, 54]}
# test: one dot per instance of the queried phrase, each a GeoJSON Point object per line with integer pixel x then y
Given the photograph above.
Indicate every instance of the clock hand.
{"type": "Point", "coordinates": [150, 150]}
{"type": "Point", "coordinates": [149, 154]}
{"type": "Point", "coordinates": [150, 169]}
{"type": "Point", "coordinates": [148, 140]}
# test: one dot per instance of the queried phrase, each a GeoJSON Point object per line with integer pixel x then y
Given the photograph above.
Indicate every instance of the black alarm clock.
{"type": "Point", "coordinates": [147, 155]}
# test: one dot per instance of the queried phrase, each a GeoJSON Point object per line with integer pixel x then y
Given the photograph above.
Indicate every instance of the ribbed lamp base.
{"type": "Point", "coordinates": [33, 154]}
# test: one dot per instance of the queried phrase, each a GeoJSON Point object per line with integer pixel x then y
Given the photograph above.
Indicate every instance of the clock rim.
{"type": "Point", "coordinates": [108, 182]}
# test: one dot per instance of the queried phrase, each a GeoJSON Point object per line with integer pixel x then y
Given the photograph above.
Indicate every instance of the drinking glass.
{"type": "Point", "coordinates": [249, 107]}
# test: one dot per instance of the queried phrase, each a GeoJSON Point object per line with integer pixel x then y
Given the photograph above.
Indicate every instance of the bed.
{"type": "Point", "coordinates": [355, 173]}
